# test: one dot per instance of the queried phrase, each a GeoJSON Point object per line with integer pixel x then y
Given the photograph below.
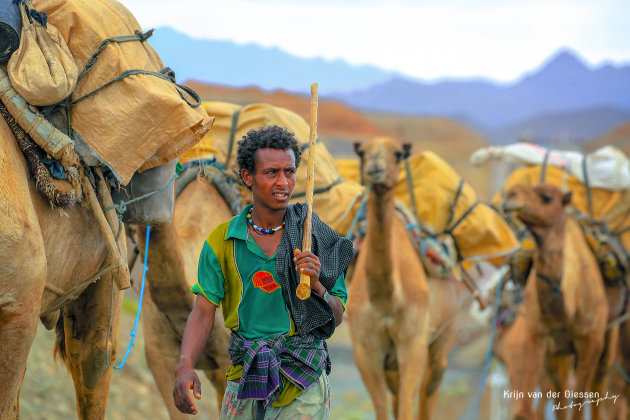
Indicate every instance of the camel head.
{"type": "Point", "coordinates": [540, 207]}
{"type": "Point", "coordinates": [380, 160]}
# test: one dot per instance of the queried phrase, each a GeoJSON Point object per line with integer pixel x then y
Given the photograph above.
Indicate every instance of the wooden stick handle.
{"type": "Point", "coordinates": [304, 288]}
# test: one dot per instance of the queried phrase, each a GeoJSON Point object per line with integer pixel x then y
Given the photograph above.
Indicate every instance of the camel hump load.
{"type": "Point", "coordinates": [442, 215]}
{"type": "Point", "coordinates": [600, 186]}
{"type": "Point", "coordinates": [446, 209]}
{"type": "Point", "coordinates": [79, 56]}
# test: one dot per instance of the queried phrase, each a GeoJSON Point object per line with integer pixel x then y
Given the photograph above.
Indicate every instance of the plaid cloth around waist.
{"type": "Point", "coordinates": [301, 360]}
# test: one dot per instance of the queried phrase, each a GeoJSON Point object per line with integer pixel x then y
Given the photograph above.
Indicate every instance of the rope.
{"type": "Point", "coordinates": [621, 371]}
{"type": "Point", "coordinates": [134, 72]}
{"type": "Point", "coordinates": [359, 213]}
{"type": "Point", "coordinates": [486, 362]}
{"type": "Point", "coordinates": [543, 169]}
{"type": "Point", "coordinates": [587, 186]}
{"type": "Point", "coordinates": [320, 190]}
{"type": "Point", "coordinates": [412, 196]}
{"type": "Point", "coordinates": [121, 207]}
{"type": "Point", "coordinates": [138, 36]}
{"type": "Point", "coordinates": [166, 74]}
{"type": "Point", "coordinates": [134, 331]}
{"type": "Point", "coordinates": [232, 134]}
{"type": "Point", "coordinates": [452, 318]}
{"type": "Point", "coordinates": [350, 207]}
{"type": "Point", "coordinates": [109, 326]}
{"type": "Point", "coordinates": [620, 319]}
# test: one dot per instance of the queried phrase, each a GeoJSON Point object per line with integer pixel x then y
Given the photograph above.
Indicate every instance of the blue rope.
{"type": "Point", "coordinates": [621, 371]}
{"type": "Point", "coordinates": [135, 326]}
{"type": "Point", "coordinates": [486, 362]}
{"type": "Point", "coordinates": [359, 215]}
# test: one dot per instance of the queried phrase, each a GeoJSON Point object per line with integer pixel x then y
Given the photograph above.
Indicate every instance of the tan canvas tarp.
{"type": "Point", "coordinates": [333, 206]}
{"type": "Point", "coordinates": [613, 207]}
{"type": "Point", "coordinates": [138, 122]}
{"type": "Point", "coordinates": [482, 232]}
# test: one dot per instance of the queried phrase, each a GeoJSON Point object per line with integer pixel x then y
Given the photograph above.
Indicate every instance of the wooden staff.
{"type": "Point", "coordinates": [304, 288]}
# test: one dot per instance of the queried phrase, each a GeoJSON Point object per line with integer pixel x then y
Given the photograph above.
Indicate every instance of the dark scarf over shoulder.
{"type": "Point", "coordinates": [313, 315]}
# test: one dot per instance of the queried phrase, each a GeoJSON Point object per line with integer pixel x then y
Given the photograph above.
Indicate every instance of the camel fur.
{"type": "Point", "coordinates": [392, 306]}
{"type": "Point", "coordinates": [619, 384]}
{"type": "Point", "coordinates": [44, 253]}
{"type": "Point", "coordinates": [174, 257]}
{"type": "Point", "coordinates": [567, 310]}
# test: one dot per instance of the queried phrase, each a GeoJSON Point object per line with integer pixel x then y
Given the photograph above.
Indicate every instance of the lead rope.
{"type": "Point", "coordinates": [134, 331]}
{"type": "Point", "coordinates": [486, 363]}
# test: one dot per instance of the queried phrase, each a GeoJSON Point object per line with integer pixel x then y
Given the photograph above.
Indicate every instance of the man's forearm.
{"type": "Point", "coordinates": [337, 308]}
{"type": "Point", "coordinates": [333, 301]}
{"type": "Point", "coordinates": [198, 329]}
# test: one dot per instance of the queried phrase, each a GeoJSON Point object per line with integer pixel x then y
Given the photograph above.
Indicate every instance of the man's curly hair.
{"type": "Point", "coordinates": [272, 137]}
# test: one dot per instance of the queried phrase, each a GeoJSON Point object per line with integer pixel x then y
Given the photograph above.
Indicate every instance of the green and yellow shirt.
{"type": "Point", "coordinates": [236, 274]}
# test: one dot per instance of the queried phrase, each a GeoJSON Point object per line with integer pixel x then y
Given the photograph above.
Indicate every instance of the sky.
{"type": "Point", "coordinates": [425, 39]}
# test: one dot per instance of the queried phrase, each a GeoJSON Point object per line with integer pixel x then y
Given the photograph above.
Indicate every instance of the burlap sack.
{"type": "Point", "coordinates": [42, 70]}
{"type": "Point", "coordinates": [139, 121]}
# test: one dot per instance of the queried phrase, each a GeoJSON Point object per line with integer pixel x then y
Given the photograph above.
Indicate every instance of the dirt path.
{"type": "Point", "coordinates": [48, 392]}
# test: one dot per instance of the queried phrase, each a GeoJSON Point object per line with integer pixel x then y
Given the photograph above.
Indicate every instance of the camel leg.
{"type": "Point", "coordinates": [604, 367]}
{"type": "Point", "coordinates": [436, 366]}
{"type": "Point", "coordinates": [557, 370]}
{"type": "Point", "coordinates": [369, 357]}
{"type": "Point", "coordinates": [534, 357]}
{"type": "Point", "coordinates": [412, 361]}
{"type": "Point", "coordinates": [588, 352]}
{"type": "Point", "coordinates": [162, 352]}
{"type": "Point", "coordinates": [22, 279]}
{"type": "Point", "coordinates": [90, 350]}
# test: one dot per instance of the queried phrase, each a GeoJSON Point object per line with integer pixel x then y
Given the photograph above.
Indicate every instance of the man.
{"type": "Point", "coordinates": [250, 265]}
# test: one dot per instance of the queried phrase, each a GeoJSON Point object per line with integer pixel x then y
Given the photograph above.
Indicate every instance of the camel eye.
{"type": "Point", "coordinates": [545, 198]}
{"type": "Point", "coordinates": [399, 156]}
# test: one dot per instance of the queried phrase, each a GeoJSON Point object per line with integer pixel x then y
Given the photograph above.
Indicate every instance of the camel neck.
{"type": "Point", "coordinates": [548, 258]}
{"type": "Point", "coordinates": [166, 278]}
{"type": "Point", "coordinates": [377, 244]}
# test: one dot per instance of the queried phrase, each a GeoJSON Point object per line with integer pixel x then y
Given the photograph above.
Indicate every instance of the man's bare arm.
{"type": "Point", "coordinates": [198, 329]}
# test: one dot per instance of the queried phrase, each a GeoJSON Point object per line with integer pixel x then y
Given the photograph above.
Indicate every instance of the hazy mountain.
{"type": "Point", "coordinates": [561, 127]}
{"type": "Point", "coordinates": [564, 97]}
{"type": "Point", "coordinates": [228, 63]}
{"type": "Point", "coordinates": [563, 84]}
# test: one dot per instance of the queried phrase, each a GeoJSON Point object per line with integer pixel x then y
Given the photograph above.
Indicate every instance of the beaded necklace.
{"type": "Point", "coordinates": [260, 230]}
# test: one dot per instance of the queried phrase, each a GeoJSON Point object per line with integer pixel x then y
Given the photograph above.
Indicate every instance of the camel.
{"type": "Point", "coordinates": [509, 347]}
{"type": "Point", "coordinates": [174, 250]}
{"type": "Point", "coordinates": [567, 307]}
{"type": "Point", "coordinates": [45, 252]}
{"type": "Point", "coordinates": [620, 377]}
{"type": "Point", "coordinates": [392, 306]}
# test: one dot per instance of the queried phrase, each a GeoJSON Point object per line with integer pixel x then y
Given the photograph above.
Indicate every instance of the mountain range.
{"type": "Point", "coordinates": [563, 101]}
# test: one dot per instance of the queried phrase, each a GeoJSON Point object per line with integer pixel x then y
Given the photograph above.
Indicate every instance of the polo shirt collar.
{"type": "Point", "coordinates": [238, 225]}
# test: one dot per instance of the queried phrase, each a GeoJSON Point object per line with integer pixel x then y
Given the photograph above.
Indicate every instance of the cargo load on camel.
{"type": "Point", "coordinates": [600, 186]}
{"type": "Point", "coordinates": [144, 119]}
{"type": "Point", "coordinates": [447, 207]}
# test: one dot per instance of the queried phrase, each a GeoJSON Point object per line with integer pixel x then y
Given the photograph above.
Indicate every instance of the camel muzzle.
{"type": "Point", "coordinates": [512, 207]}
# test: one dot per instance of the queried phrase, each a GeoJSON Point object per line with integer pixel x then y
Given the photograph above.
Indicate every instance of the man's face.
{"type": "Point", "coordinates": [274, 178]}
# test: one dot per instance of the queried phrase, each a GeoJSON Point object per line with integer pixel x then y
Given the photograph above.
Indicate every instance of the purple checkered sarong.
{"type": "Point", "coordinates": [300, 359]}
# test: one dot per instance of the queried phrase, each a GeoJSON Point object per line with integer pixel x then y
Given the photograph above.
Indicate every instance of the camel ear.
{"type": "Point", "coordinates": [566, 198]}
{"type": "Point", "coordinates": [357, 149]}
{"type": "Point", "coordinates": [406, 150]}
